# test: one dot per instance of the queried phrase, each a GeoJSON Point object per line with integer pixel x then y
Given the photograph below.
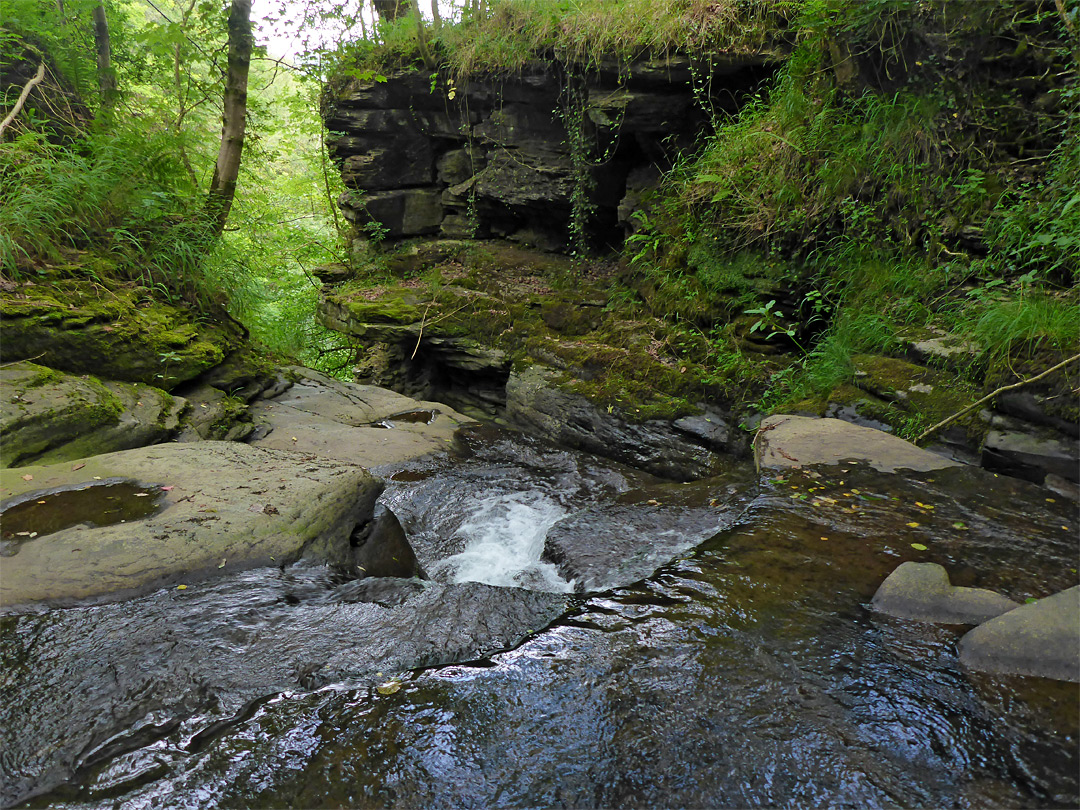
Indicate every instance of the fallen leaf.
{"type": "Point", "coordinates": [223, 561]}
{"type": "Point", "coordinates": [1050, 500]}
{"type": "Point", "coordinates": [97, 477]}
{"type": "Point", "coordinates": [824, 538]}
{"type": "Point", "coordinates": [181, 587]}
{"type": "Point", "coordinates": [960, 525]}
{"type": "Point", "coordinates": [388, 688]}
{"type": "Point", "coordinates": [918, 546]}
{"type": "Point", "coordinates": [28, 478]}
{"type": "Point", "coordinates": [33, 535]}
{"type": "Point", "coordinates": [913, 524]}
{"type": "Point", "coordinates": [142, 495]}
{"type": "Point", "coordinates": [168, 488]}
{"type": "Point", "coordinates": [22, 534]}
{"type": "Point", "coordinates": [41, 501]}
{"type": "Point", "coordinates": [78, 466]}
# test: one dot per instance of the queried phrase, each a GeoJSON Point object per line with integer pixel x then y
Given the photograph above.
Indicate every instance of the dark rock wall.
{"type": "Point", "coordinates": [513, 156]}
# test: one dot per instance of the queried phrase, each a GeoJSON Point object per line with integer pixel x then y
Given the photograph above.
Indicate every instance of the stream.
{"type": "Point", "coordinates": [589, 636]}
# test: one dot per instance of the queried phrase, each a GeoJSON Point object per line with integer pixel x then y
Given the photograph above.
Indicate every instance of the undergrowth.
{"type": "Point", "coordinates": [884, 194]}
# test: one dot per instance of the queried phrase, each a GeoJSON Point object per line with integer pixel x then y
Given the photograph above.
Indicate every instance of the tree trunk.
{"type": "Point", "coordinates": [234, 118]}
{"type": "Point", "coordinates": [391, 10]}
{"type": "Point", "coordinates": [103, 49]}
{"type": "Point", "coordinates": [421, 35]}
{"type": "Point", "coordinates": [436, 20]}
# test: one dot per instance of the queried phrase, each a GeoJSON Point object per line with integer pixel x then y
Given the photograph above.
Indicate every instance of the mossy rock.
{"type": "Point", "coordinates": [119, 334]}
{"type": "Point", "coordinates": [48, 417]}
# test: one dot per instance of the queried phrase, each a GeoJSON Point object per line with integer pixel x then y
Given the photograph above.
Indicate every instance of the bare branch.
{"type": "Point", "coordinates": [30, 85]}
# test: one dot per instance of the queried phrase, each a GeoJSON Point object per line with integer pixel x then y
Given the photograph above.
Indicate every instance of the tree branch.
{"type": "Point", "coordinates": [30, 85]}
{"type": "Point", "coordinates": [993, 394]}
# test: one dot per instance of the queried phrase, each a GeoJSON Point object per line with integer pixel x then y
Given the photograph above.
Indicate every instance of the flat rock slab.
{"type": "Point", "coordinates": [786, 442]}
{"type": "Point", "coordinates": [361, 424]}
{"type": "Point", "coordinates": [922, 591]}
{"type": "Point", "coordinates": [230, 506]}
{"type": "Point", "coordinates": [1041, 639]}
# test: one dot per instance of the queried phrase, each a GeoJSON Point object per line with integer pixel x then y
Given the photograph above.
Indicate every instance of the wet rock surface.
{"type": "Point", "coordinates": [84, 685]}
{"type": "Point", "coordinates": [228, 507]}
{"type": "Point", "coordinates": [922, 591]}
{"type": "Point", "coordinates": [535, 402]}
{"type": "Point", "coordinates": [612, 545]}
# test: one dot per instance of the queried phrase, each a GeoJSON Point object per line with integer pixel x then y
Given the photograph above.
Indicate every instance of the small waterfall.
{"type": "Point", "coordinates": [504, 540]}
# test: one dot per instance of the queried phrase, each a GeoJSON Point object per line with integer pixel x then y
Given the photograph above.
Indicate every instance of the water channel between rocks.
{"type": "Point", "coordinates": [591, 637]}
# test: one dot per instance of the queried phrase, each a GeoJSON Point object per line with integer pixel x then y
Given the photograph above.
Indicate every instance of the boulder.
{"type": "Point", "coordinates": [47, 416]}
{"type": "Point", "coordinates": [227, 506]}
{"type": "Point", "coordinates": [922, 591]}
{"type": "Point", "coordinates": [381, 548]}
{"type": "Point", "coordinates": [1041, 639]}
{"type": "Point", "coordinates": [785, 441]}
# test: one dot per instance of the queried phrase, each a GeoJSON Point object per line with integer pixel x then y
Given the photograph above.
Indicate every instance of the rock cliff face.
{"type": "Point", "coordinates": [525, 156]}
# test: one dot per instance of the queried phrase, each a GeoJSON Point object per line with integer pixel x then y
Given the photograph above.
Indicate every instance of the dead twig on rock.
{"type": "Point", "coordinates": [992, 394]}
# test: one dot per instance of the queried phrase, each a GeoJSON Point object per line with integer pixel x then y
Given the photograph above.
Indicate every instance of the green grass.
{"type": "Point", "coordinates": [583, 32]}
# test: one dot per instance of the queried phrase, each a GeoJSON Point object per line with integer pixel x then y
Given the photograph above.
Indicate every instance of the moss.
{"type": "Point", "coordinates": [920, 396]}
{"type": "Point", "coordinates": [119, 333]}
{"type": "Point", "coordinates": [392, 307]}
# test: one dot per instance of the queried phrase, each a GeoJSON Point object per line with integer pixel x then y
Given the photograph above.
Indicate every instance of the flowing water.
{"type": "Point", "coordinates": [541, 667]}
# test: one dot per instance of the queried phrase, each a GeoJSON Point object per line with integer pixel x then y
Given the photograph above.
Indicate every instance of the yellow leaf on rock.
{"type": "Point", "coordinates": [913, 524]}
{"type": "Point", "coordinates": [918, 546]}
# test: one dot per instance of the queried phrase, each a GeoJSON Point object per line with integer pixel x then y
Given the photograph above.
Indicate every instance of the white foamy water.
{"type": "Point", "coordinates": [504, 539]}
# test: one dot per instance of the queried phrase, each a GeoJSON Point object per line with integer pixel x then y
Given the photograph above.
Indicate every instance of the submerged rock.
{"type": "Point", "coordinates": [47, 416]}
{"type": "Point", "coordinates": [615, 544]}
{"type": "Point", "coordinates": [85, 685]}
{"type": "Point", "coordinates": [227, 506]}
{"type": "Point", "coordinates": [1041, 639]}
{"type": "Point", "coordinates": [922, 591]}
